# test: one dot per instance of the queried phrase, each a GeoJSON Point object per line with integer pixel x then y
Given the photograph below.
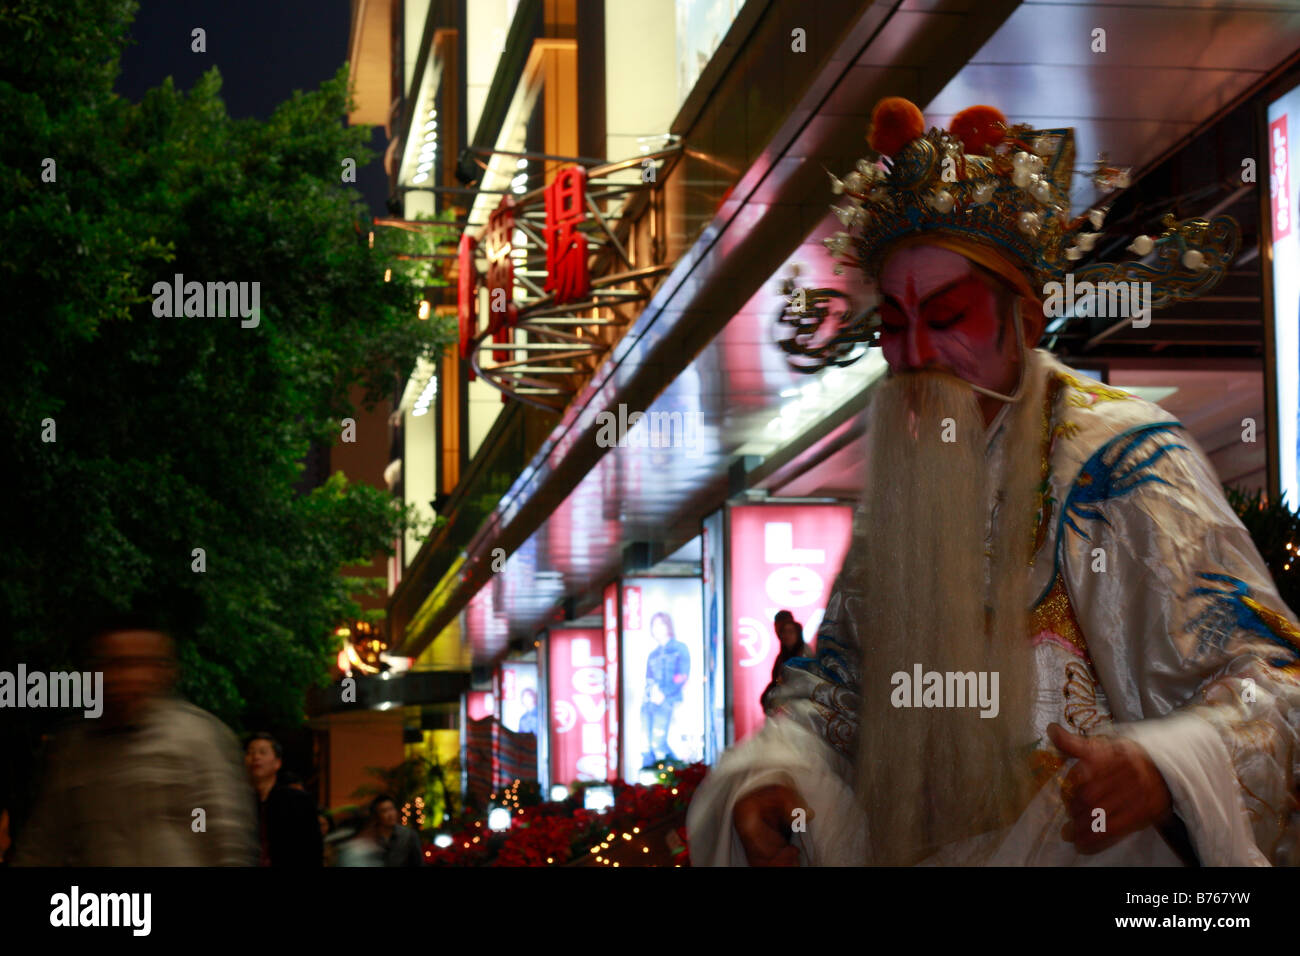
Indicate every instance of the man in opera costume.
{"type": "Point", "coordinates": [1022, 521]}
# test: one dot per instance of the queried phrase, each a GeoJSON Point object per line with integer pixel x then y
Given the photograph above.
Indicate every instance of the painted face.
{"type": "Point", "coordinates": [939, 311]}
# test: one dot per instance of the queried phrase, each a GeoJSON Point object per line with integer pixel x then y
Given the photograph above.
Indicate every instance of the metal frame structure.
{"type": "Point", "coordinates": [561, 345]}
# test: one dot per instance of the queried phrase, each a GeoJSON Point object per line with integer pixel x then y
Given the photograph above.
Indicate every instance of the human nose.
{"type": "Point", "coordinates": [918, 345]}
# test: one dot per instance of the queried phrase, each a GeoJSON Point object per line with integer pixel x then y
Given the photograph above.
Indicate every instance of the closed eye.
{"type": "Point", "coordinates": [947, 321]}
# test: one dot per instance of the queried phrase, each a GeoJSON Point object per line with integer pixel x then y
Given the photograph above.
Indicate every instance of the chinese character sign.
{"type": "Point", "coordinates": [497, 239]}
{"type": "Point", "coordinates": [783, 557]}
{"type": "Point", "coordinates": [1283, 118]}
{"type": "Point", "coordinates": [566, 246]}
{"type": "Point", "coordinates": [611, 677]}
{"type": "Point", "coordinates": [576, 674]}
{"type": "Point", "coordinates": [466, 303]}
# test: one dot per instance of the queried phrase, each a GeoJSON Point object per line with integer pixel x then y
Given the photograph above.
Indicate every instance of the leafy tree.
{"type": "Point", "coordinates": [1275, 529]}
{"type": "Point", "coordinates": [184, 433]}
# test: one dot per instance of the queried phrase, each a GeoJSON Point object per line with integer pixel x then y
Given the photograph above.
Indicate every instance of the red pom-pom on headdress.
{"type": "Point", "coordinates": [895, 122]}
{"type": "Point", "coordinates": [978, 127]}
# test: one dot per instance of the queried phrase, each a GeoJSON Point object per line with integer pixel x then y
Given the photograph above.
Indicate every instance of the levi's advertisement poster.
{"type": "Point", "coordinates": [783, 557]}
{"type": "Point", "coordinates": [663, 673]}
{"type": "Point", "coordinates": [576, 675]}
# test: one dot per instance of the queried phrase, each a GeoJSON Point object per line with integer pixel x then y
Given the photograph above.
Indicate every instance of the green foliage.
{"type": "Point", "coordinates": [183, 433]}
{"type": "Point", "coordinates": [1275, 529]}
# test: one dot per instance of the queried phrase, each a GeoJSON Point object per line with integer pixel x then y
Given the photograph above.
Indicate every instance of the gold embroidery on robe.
{"type": "Point", "coordinates": [1085, 394]}
{"type": "Point", "coordinates": [1055, 614]}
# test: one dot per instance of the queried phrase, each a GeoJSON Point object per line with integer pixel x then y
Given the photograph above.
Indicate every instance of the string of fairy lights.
{"type": "Point", "coordinates": [414, 808]}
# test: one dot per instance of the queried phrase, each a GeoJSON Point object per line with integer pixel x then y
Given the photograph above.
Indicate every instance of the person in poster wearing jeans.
{"type": "Point", "coordinates": [666, 671]}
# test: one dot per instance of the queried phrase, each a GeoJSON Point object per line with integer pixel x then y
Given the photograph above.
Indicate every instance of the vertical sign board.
{"type": "Point", "coordinates": [543, 709]}
{"type": "Point", "coordinates": [576, 669]}
{"type": "Point", "coordinates": [613, 631]}
{"type": "Point", "coordinates": [664, 679]}
{"type": "Point", "coordinates": [498, 239]}
{"type": "Point", "coordinates": [464, 749]}
{"type": "Point", "coordinates": [782, 557]}
{"type": "Point", "coordinates": [566, 247]}
{"type": "Point", "coordinates": [466, 297]}
{"type": "Point", "coordinates": [712, 563]}
{"type": "Point", "coordinates": [1283, 130]}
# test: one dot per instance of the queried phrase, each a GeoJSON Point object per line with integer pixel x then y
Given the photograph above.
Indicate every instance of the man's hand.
{"type": "Point", "coordinates": [1112, 774]}
{"type": "Point", "coordinates": [762, 821]}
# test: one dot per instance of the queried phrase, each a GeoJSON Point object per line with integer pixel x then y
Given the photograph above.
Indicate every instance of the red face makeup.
{"type": "Point", "coordinates": [940, 312]}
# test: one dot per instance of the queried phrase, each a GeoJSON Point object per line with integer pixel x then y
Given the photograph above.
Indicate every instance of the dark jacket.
{"type": "Point", "coordinates": [668, 667]}
{"type": "Point", "coordinates": [289, 828]}
{"type": "Point", "coordinates": [783, 657]}
{"type": "Point", "coordinates": [402, 848]}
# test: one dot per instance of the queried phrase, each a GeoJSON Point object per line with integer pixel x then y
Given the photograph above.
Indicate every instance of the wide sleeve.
{"type": "Point", "coordinates": [807, 744]}
{"type": "Point", "coordinates": [219, 785]}
{"type": "Point", "coordinates": [1198, 656]}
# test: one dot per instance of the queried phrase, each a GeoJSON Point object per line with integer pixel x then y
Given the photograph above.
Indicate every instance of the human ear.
{"type": "Point", "coordinates": [1032, 320]}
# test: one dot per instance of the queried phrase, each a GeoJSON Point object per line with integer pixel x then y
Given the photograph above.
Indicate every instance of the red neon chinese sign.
{"type": "Point", "coordinates": [566, 246]}
{"type": "Point", "coordinates": [497, 239]}
{"type": "Point", "coordinates": [466, 303]}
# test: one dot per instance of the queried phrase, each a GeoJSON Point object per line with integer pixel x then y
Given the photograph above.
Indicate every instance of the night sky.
{"type": "Point", "coordinates": [264, 49]}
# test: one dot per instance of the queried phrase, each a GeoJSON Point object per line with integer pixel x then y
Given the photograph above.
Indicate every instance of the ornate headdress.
{"type": "Point", "coordinates": [999, 195]}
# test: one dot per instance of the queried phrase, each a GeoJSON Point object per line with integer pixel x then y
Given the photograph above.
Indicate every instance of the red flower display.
{"type": "Point", "coordinates": [552, 834]}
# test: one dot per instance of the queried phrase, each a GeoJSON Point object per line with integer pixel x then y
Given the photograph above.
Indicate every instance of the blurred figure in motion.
{"type": "Point", "coordinates": [287, 827]}
{"type": "Point", "coordinates": [790, 633]}
{"type": "Point", "coordinates": [398, 845]}
{"type": "Point", "coordinates": [154, 781]}
{"type": "Point", "coordinates": [330, 846]}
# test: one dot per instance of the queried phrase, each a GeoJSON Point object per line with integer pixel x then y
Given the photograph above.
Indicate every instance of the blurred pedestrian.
{"type": "Point", "coordinates": [790, 634]}
{"type": "Point", "coordinates": [398, 845]}
{"type": "Point", "coordinates": [361, 848]}
{"type": "Point", "coordinates": [153, 781]}
{"type": "Point", "coordinates": [288, 830]}
{"type": "Point", "coordinates": [330, 845]}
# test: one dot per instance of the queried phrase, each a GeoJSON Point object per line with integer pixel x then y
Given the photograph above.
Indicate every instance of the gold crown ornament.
{"type": "Point", "coordinates": [1000, 195]}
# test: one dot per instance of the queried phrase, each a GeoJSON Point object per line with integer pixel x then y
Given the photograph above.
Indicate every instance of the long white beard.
{"type": "Point", "coordinates": [922, 548]}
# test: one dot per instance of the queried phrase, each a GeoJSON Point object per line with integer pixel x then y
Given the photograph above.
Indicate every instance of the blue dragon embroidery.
{"type": "Point", "coordinates": [1106, 476]}
{"type": "Point", "coordinates": [1230, 611]}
